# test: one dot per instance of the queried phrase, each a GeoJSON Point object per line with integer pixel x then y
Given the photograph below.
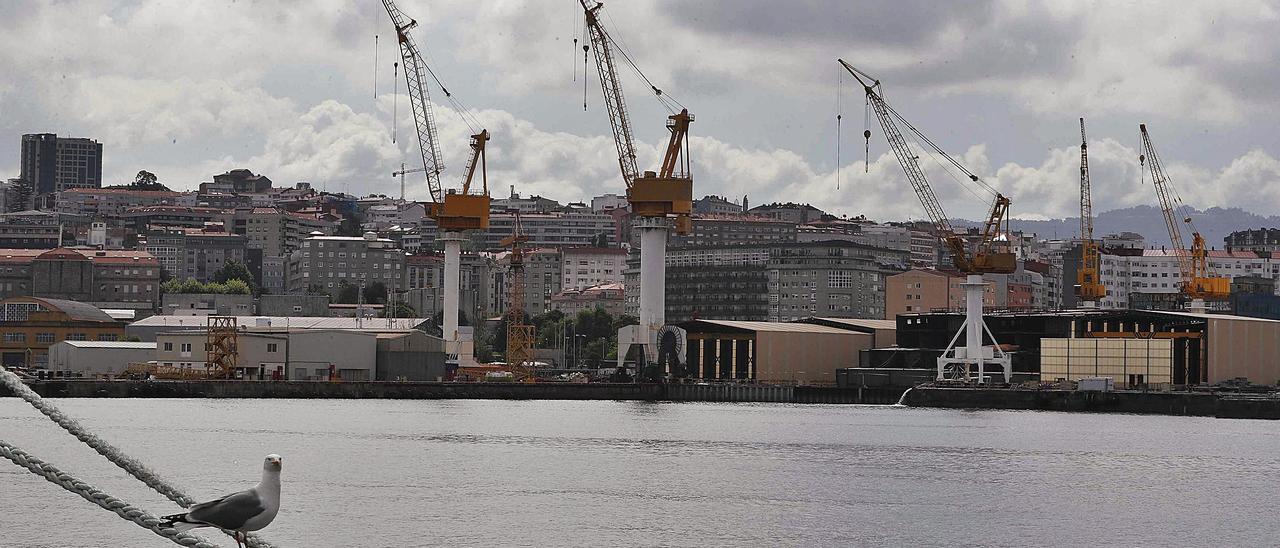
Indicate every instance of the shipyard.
{"type": "Point", "coordinates": [648, 273]}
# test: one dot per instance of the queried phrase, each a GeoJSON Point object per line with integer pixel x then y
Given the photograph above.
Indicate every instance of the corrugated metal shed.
{"type": "Point", "coordinates": [291, 322]}
{"type": "Point", "coordinates": [112, 344]}
{"type": "Point", "coordinates": [775, 327]}
{"type": "Point", "coordinates": [863, 322]}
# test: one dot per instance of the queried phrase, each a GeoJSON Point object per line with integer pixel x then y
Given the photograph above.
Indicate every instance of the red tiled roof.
{"type": "Point", "coordinates": [101, 191]}
{"type": "Point", "coordinates": [177, 209]}
{"type": "Point", "coordinates": [117, 256]}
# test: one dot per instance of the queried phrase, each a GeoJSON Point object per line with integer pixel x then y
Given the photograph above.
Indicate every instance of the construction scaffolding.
{"type": "Point", "coordinates": [222, 347]}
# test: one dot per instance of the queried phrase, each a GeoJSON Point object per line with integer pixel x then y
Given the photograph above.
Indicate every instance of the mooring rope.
{"type": "Point", "coordinates": [91, 494]}
{"type": "Point", "coordinates": [113, 454]}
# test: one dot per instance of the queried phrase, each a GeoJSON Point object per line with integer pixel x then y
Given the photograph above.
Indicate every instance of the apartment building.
{"type": "Point", "coordinates": [326, 262]}
{"type": "Point", "coordinates": [1153, 278]}
{"type": "Point", "coordinates": [583, 267]}
{"type": "Point", "coordinates": [195, 253]}
{"type": "Point", "coordinates": [111, 203]}
{"type": "Point", "coordinates": [109, 279]}
{"type": "Point", "coordinates": [778, 282]}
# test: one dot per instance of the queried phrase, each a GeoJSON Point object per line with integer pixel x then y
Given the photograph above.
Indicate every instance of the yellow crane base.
{"type": "Point", "coordinates": [460, 212]}
{"type": "Point", "coordinates": [995, 263]}
{"type": "Point", "coordinates": [651, 196]}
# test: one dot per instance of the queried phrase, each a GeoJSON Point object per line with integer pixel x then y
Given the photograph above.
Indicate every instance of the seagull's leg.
{"type": "Point", "coordinates": [237, 535]}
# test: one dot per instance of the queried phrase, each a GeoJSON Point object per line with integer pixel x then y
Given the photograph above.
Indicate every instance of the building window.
{"type": "Point", "coordinates": [15, 337]}
{"type": "Point", "coordinates": [44, 337]}
{"type": "Point", "coordinates": [77, 337]}
{"type": "Point", "coordinates": [108, 337]}
{"type": "Point", "coordinates": [168, 347]}
{"type": "Point", "coordinates": [186, 347]}
{"type": "Point", "coordinates": [271, 347]}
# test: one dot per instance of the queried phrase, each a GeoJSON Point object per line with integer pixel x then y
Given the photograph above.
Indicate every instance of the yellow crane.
{"type": "Point", "coordinates": [1089, 286]}
{"type": "Point", "coordinates": [958, 363]}
{"type": "Point", "coordinates": [658, 200]}
{"type": "Point", "coordinates": [1199, 280]}
{"type": "Point", "coordinates": [453, 212]}
{"type": "Point", "coordinates": [987, 257]}
{"type": "Point", "coordinates": [520, 335]}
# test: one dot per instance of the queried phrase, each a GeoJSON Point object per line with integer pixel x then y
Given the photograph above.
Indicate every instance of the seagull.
{"type": "Point", "coordinates": [241, 512]}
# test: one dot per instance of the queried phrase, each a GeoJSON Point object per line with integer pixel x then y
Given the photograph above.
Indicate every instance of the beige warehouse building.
{"type": "Point", "coordinates": [770, 352]}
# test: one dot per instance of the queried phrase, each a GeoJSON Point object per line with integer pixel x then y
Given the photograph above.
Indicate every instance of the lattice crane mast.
{"type": "Point", "coordinates": [967, 363]}
{"type": "Point", "coordinates": [1088, 283]}
{"type": "Point", "coordinates": [520, 335]}
{"type": "Point", "coordinates": [1199, 281]}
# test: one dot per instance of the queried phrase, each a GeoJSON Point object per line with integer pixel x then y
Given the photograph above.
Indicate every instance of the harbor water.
{"type": "Point", "coordinates": [593, 473]}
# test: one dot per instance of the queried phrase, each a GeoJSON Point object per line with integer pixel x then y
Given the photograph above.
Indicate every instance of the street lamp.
{"type": "Point", "coordinates": [577, 350]}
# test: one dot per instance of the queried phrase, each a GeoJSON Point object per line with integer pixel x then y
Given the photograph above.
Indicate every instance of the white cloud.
{"type": "Point", "coordinates": [190, 89]}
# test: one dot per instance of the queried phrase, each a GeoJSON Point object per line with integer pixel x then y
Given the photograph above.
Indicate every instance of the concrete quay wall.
{"type": "Point", "coordinates": [443, 390]}
{"type": "Point", "coordinates": [1197, 404]}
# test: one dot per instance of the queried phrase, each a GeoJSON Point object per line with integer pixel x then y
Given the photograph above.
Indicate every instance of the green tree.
{"type": "Point", "coordinates": [236, 287]}
{"type": "Point", "coordinates": [190, 285]}
{"type": "Point", "coordinates": [350, 226]}
{"type": "Point", "coordinates": [623, 321]}
{"type": "Point", "coordinates": [462, 319]}
{"type": "Point", "coordinates": [400, 309]}
{"type": "Point", "coordinates": [171, 285]}
{"type": "Point", "coordinates": [144, 179]}
{"type": "Point", "coordinates": [234, 270]}
{"type": "Point", "coordinates": [375, 293]}
{"type": "Point", "coordinates": [348, 294]}
{"type": "Point", "coordinates": [22, 192]}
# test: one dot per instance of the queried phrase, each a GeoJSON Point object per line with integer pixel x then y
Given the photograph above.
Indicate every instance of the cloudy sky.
{"type": "Point", "coordinates": [287, 88]}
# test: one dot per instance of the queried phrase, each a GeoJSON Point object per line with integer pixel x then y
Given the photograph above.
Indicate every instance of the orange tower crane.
{"type": "Point", "coordinates": [958, 363]}
{"type": "Point", "coordinates": [1199, 281]}
{"type": "Point", "coordinates": [520, 335]}
{"type": "Point", "coordinates": [1088, 283]}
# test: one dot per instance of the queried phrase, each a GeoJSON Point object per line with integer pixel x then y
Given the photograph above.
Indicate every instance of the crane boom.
{"type": "Point", "coordinates": [419, 98]}
{"type": "Point", "coordinates": [1199, 281]}
{"type": "Point", "coordinates": [613, 99]}
{"type": "Point", "coordinates": [478, 142]}
{"type": "Point", "coordinates": [985, 259]}
{"type": "Point", "coordinates": [1089, 286]}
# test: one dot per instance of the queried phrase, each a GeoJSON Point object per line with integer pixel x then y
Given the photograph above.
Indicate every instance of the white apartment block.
{"type": "Point", "coordinates": [1156, 271]}
{"type": "Point", "coordinates": [584, 267]}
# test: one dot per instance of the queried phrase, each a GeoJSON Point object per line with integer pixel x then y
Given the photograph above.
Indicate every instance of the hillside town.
{"type": "Point", "coordinates": [135, 267]}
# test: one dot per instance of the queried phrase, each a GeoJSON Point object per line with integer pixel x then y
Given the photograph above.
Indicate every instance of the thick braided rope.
{"type": "Point", "coordinates": [107, 502]}
{"type": "Point", "coordinates": [116, 456]}
{"type": "Point", "coordinates": [113, 454]}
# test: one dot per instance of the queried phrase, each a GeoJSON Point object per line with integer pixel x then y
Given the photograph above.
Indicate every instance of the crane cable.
{"type": "Point", "coordinates": [658, 93]}
{"type": "Point", "coordinates": [926, 140]}
{"type": "Point", "coordinates": [839, 116]}
{"type": "Point", "coordinates": [395, 101]}
{"type": "Point", "coordinates": [467, 118]}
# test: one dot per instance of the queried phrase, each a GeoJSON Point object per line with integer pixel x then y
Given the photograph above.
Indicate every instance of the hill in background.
{"type": "Point", "coordinates": [1214, 223]}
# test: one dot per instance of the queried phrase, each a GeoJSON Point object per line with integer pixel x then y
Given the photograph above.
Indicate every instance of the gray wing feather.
{"type": "Point", "coordinates": [229, 512]}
